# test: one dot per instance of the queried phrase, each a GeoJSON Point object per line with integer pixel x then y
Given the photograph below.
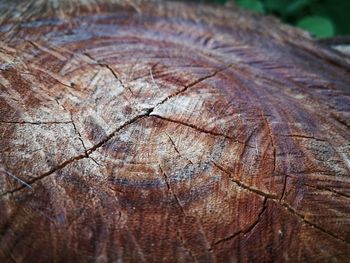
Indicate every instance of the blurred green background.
{"type": "Point", "coordinates": [323, 18]}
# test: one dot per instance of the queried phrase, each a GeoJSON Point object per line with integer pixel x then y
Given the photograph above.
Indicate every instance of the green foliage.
{"type": "Point", "coordinates": [323, 18]}
{"type": "Point", "coordinates": [320, 26]}
{"type": "Point", "coordinates": [254, 5]}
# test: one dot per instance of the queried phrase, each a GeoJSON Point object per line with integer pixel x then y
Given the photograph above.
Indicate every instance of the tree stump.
{"type": "Point", "coordinates": [140, 131]}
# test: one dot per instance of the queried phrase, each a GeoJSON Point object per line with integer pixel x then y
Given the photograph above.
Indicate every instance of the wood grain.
{"type": "Point", "coordinates": [142, 131]}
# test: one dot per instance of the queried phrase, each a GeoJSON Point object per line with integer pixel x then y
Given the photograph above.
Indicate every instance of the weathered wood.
{"type": "Point", "coordinates": [164, 132]}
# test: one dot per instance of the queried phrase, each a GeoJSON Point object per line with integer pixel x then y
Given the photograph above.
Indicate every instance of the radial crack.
{"type": "Point", "coordinates": [243, 231]}
{"type": "Point", "coordinates": [341, 121]}
{"type": "Point", "coordinates": [166, 179]}
{"type": "Point", "coordinates": [24, 184]}
{"type": "Point", "coordinates": [36, 122]}
{"type": "Point", "coordinates": [328, 190]}
{"type": "Point", "coordinates": [302, 137]}
{"type": "Point", "coordinates": [244, 186]}
{"type": "Point", "coordinates": [302, 217]}
{"type": "Point", "coordinates": [78, 133]}
{"type": "Point", "coordinates": [200, 129]}
{"type": "Point", "coordinates": [116, 76]}
{"type": "Point", "coordinates": [82, 141]}
{"type": "Point", "coordinates": [285, 177]}
{"type": "Point", "coordinates": [186, 87]}
{"type": "Point", "coordinates": [102, 64]}
{"type": "Point", "coordinates": [62, 165]}
{"type": "Point", "coordinates": [263, 116]}
{"type": "Point", "coordinates": [174, 146]}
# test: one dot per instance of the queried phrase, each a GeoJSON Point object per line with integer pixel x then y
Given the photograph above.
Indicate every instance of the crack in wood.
{"type": "Point", "coordinates": [178, 152]}
{"type": "Point", "coordinates": [186, 87]}
{"type": "Point", "coordinates": [302, 217]}
{"type": "Point", "coordinates": [327, 189]}
{"type": "Point", "coordinates": [22, 182]}
{"type": "Point", "coordinates": [284, 204]}
{"type": "Point", "coordinates": [243, 231]}
{"type": "Point", "coordinates": [285, 177]}
{"type": "Point", "coordinates": [264, 118]}
{"type": "Point", "coordinates": [110, 69]}
{"type": "Point", "coordinates": [36, 122]}
{"type": "Point", "coordinates": [244, 186]}
{"type": "Point", "coordinates": [82, 142]}
{"type": "Point", "coordinates": [116, 76]}
{"type": "Point", "coordinates": [166, 179]}
{"type": "Point", "coordinates": [301, 137]}
{"type": "Point", "coordinates": [32, 181]}
{"type": "Point", "coordinates": [340, 120]}
{"type": "Point", "coordinates": [201, 129]}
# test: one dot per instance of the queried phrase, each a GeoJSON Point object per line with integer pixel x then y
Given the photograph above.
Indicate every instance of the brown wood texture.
{"type": "Point", "coordinates": [140, 131]}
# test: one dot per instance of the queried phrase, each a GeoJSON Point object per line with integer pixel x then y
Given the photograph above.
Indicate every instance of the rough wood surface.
{"type": "Point", "coordinates": [164, 132]}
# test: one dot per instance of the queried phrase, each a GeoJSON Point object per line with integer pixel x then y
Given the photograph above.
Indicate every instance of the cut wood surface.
{"type": "Point", "coordinates": [142, 131]}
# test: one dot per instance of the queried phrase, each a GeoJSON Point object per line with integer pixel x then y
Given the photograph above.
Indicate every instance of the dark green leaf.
{"type": "Point", "coordinates": [337, 10]}
{"type": "Point", "coordinates": [319, 26]}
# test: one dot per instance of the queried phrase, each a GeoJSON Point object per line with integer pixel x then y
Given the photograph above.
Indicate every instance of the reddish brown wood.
{"type": "Point", "coordinates": [136, 131]}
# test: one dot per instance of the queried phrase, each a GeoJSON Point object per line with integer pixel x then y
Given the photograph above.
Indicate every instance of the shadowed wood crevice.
{"type": "Point", "coordinates": [302, 137]}
{"type": "Point", "coordinates": [244, 231]}
{"type": "Point", "coordinates": [328, 190]}
{"type": "Point", "coordinates": [186, 87]}
{"type": "Point", "coordinates": [201, 129]}
{"type": "Point", "coordinates": [272, 139]}
{"type": "Point", "coordinates": [116, 76]}
{"type": "Point", "coordinates": [102, 64]}
{"type": "Point", "coordinates": [278, 201]}
{"type": "Point", "coordinates": [82, 141]}
{"type": "Point", "coordinates": [55, 169]}
{"type": "Point", "coordinates": [36, 122]}
{"type": "Point", "coordinates": [3, 171]}
{"type": "Point", "coordinates": [341, 121]}
{"type": "Point", "coordinates": [166, 179]}
{"type": "Point", "coordinates": [175, 148]}
{"type": "Point", "coordinates": [305, 220]}
{"type": "Point", "coordinates": [321, 188]}
{"type": "Point", "coordinates": [285, 178]}
{"type": "Point", "coordinates": [244, 186]}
